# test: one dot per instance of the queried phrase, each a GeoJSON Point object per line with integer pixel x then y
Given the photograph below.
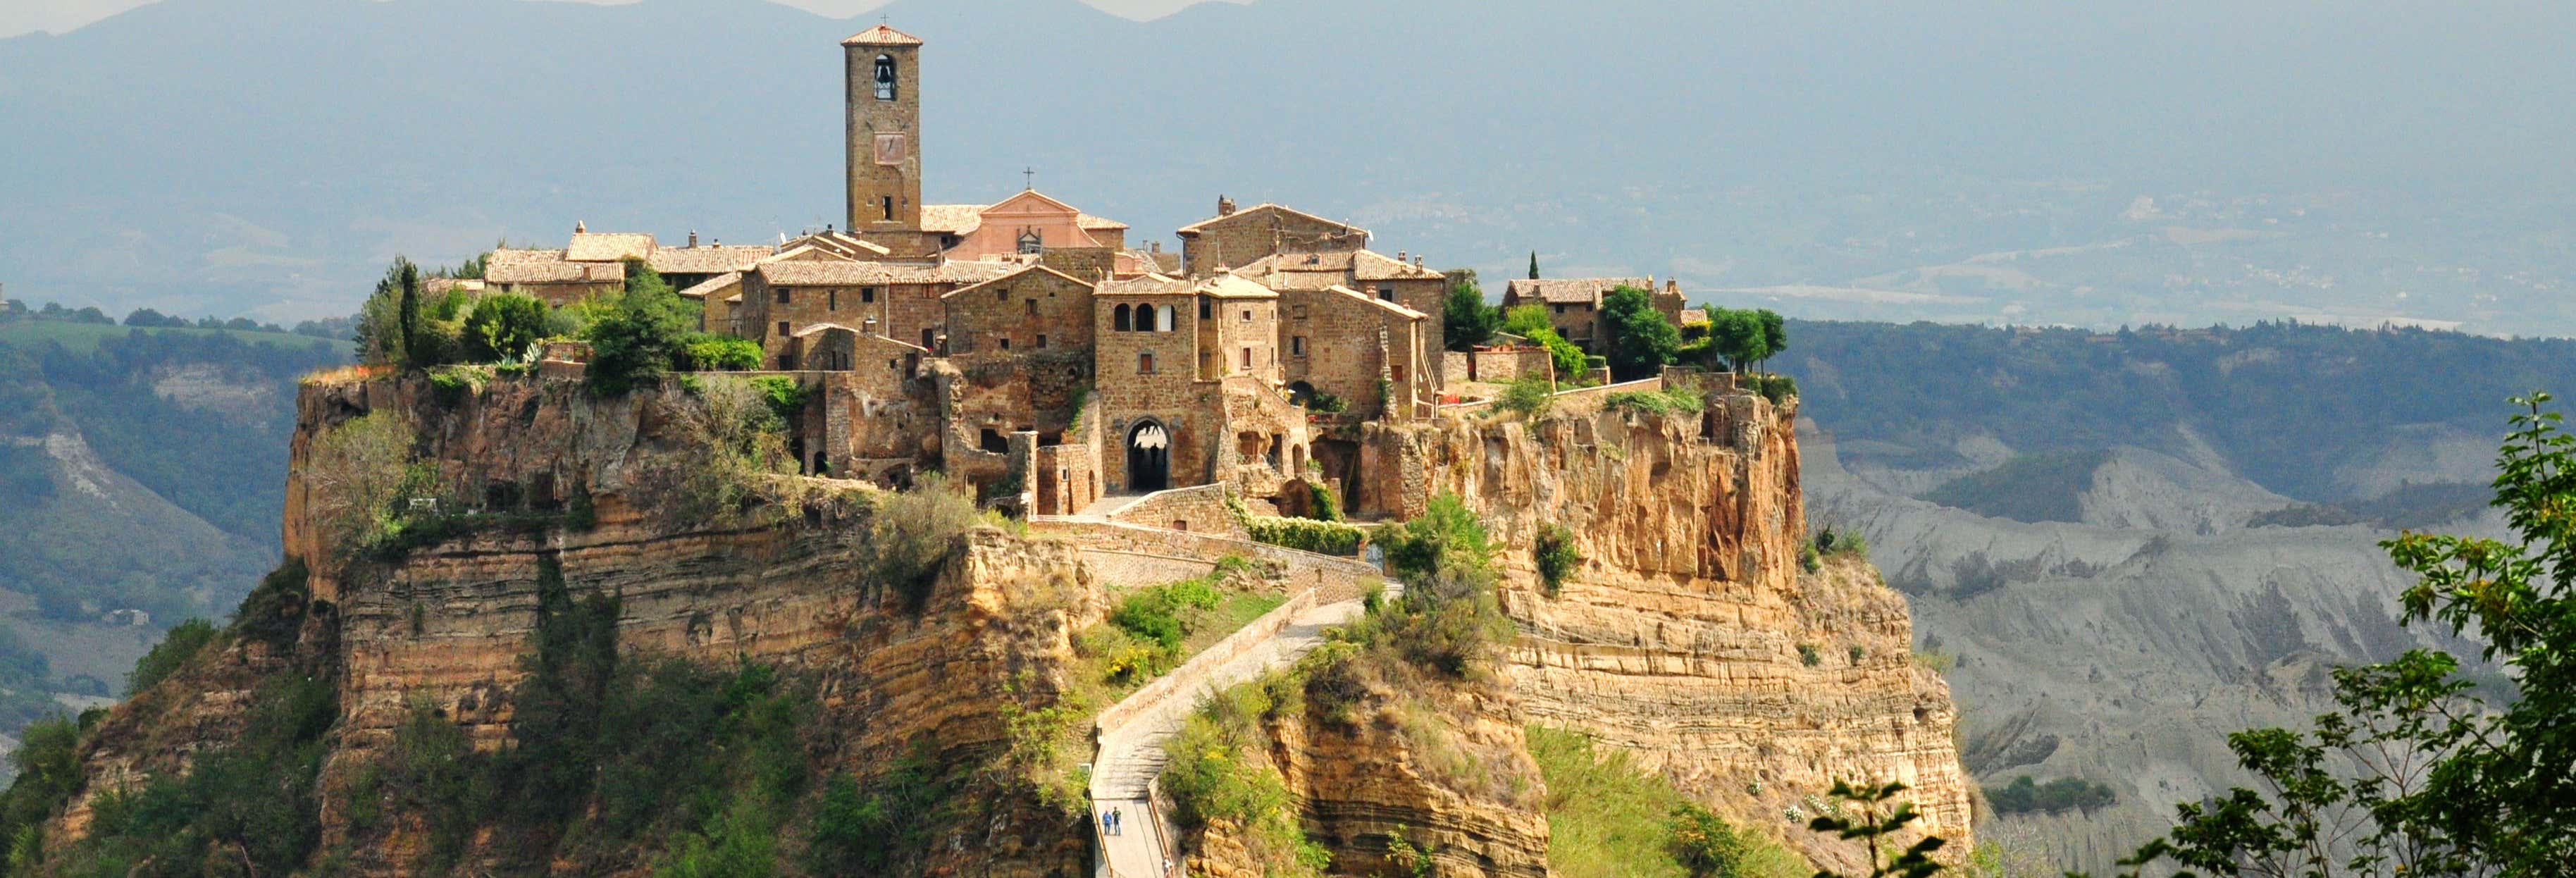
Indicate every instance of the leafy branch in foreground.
{"type": "Point", "coordinates": [1879, 819]}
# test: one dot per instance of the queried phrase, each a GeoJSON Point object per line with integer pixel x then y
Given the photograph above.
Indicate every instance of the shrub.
{"type": "Point", "coordinates": [2024, 795]}
{"type": "Point", "coordinates": [1326, 403]}
{"type": "Point", "coordinates": [1219, 771]}
{"type": "Point", "coordinates": [786, 396]}
{"type": "Point", "coordinates": [453, 384]}
{"type": "Point", "coordinates": [1669, 400]}
{"type": "Point", "coordinates": [1555, 555]}
{"type": "Point", "coordinates": [1809, 655]}
{"type": "Point", "coordinates": [912, 534]}
{"type": "Point", "coordinates": [720, 353]}
{"type": "Point", "coordinates": [1857, 653]}
{"type": "Point", "coordinates": [641, 336]}
{"type": "Point", "coordinates": [1640, 341]}
{"type": "Point", "coordinates": [867, 831]}
{"type": "Point", "coordinates": [356, 475]}
{"type": "Point", "coordinates": [1527, 397]}
{"type": "Point", "coordinates": [183, 642]}
{"type": "Point", "coordinates": [1776, 388]}
{"type": "Point", "coordinates": [1322, 537]}
{"type": "Point", "coordinates": [1155, 613]}
{"type": "Point", "coordinates": [1705, 844]}
{"type": "Point", "coordinates": [503, 326]}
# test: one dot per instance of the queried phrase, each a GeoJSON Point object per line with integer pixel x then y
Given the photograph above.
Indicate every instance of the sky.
{"type": "Point", "coordinates": [56, 16]}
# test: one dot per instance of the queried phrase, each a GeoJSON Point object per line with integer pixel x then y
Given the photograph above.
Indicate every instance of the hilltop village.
{"type": "Point", "coordinates": [1027, 344]}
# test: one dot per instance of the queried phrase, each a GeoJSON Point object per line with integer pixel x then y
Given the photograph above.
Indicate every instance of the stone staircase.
{"type": "Point", "coordinates": [1132, 733]}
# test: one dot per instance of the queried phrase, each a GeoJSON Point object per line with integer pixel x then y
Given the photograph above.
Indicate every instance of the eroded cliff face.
{"type": "Point", "coordinates": [1689, 634]}
{"type": "Point", "coordinates": [450, 625]}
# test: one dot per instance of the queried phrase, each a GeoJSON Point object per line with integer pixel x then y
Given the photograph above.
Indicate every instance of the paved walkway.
{"type": "Point", "coordinates": [1131, 755]}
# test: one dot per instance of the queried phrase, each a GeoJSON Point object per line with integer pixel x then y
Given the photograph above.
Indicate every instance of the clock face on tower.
{"type": "Point", "coordinates": [890, 149]}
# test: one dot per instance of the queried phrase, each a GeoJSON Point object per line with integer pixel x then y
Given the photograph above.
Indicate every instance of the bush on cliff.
{"type": "Point", "coordinates": [1322, 537]}
{"type": "Point", "coordinates": [1526, 397]}
{"type": "Point", "coordinates": [1608, 816]}
{"type": "Point", "coordinates": [644, 335]}
{"type": "Point", "coordinates": [183, 642]}
{"type": "Point", "coordinates": [1553, 552]}
{"type": "Point", "coordinates": [503, 326]}
{"type": "Point", "coordinates": [1220, 770]}
{"type": "Point", "coordinates": [912, 534]}
{"type": "Point", "coordinates": [721, 353]}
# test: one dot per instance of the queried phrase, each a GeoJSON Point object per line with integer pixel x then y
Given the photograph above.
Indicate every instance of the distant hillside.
{"type": "Point", "coordinates": [2124, 546]}
{"type": "Point", "coordinates": [139, 470]}
{"type": "Point", "coordinates": [1972, 161]}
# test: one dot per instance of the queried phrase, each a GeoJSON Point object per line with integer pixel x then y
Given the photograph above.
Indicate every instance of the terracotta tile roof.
{"type": "Point", "coordinates": [713, 284]}
{"type": "Point", "coordinates": [953, 219]}
{"type": "Point", "coordinates": [1569, 290]}
{"type": "Point", "coordinates": [1372, 265]}
{"type": "Point", "coordinates": [837, 273]}
{"type": "Point", "coordinates": [1382, 304]}
{"type": "Point", "coordinates": [607, 246]}
{"type": "Point", "coordinates": [835, 242]}
{"type": "Point", "coordinates": [1227, 286]}
{"type": "Point", "coordinates": [549, 267]}
{"type": "Point", "coordinates": [708, 259]}
{"type": "Point", "coordinates": [1315, 271]}
{"type": "Point", "coordinates": [1196, 227]}
{"type": "Point", "coordinates": [1149, 285]}
{"type": "Point", "coordinates": [881, 35]}
{"type": "Point", "coordinates": [1694, 315]}
{"type": "Point", "coordinates": [508, 254]}
{"type": "Point", "coordinates": [1007, 276]}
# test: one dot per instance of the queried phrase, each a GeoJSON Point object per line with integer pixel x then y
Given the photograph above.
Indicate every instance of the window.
{"type": "Point", "coordinates": [1041, 339]}
{"type": "Point", "coordinates": [886, 203]}
{"type": "Point", "coordinates": [1206, 306]}
{"type": "Point", "coordinates": [1145, 362]}
{"type": "Point", "coordinates": [867, 294]}
{"type": "Point", "coordinates": [782, 295]}
{"type": "Point", "coordinates": [1165, 323]}
{"type": "Point", "coordinates": [1296, 345]}
{"type": "Point", "coordinates": [1560, 309]}
{"type": "Point", "coordinates": [1005, 342]}
{"type": "Point", "coordinates": [1118, 319]}
{"type": "Point", "coordinates": [927, 339]}
{"type": "Point", "coordinates": [1247, 315]}
{"type": "Point", "coordinates": [1030, 242]}
{"type": "Point", "coordinates": [885, 77]}
{"type": "Point", "coordinates": [1032, 308]}
{"type": "Point", "coordinates": [831, 300]}
{"type": "Point", "coordinates": [1247, 358]}
{"type": "Point", "coordinates": [782, 329]}
{"type": "Point", "coordinates": [1386, 294]}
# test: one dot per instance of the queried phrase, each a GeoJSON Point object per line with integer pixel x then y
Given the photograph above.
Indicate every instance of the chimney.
{"type": "Point", "coordinates": [869, 326]}
{"type": "Point", "coordinates": [1417, 261]}
{"type": "Point", "coordinates": [1399, 256]}
{"type": "Point", "coordinates": [1224, 206]}
{"type": "Point", "coordinates": [577, 227]}
{"type": "Point", "coordinates": [693, 239]}
{"type": "Point", "coordinates": [1158, 246]}
{"type": "Point", "coordinates": [1672, 286]}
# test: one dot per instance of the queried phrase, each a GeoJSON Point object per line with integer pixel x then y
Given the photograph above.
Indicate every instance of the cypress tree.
{"type": "Point", "coordinates": [1533, 265]}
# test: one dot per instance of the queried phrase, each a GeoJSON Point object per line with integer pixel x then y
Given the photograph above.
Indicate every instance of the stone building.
{"type": "Point", "coordinates": [1234, 238]}
{"type": "Point", "coordinates": [593, 263]}
{"type": "Point", "coordinates": [1418, 289]}
{"type": "Point", "coordinates": [1025, 224]}
{"type": "Point", "coordinates": [1574, 304]}
{"type": "Point", "coordinates": [780, 296]}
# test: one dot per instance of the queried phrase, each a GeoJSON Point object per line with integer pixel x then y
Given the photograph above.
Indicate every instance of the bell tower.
{"type": "Point", "coordinates": [884, 96]}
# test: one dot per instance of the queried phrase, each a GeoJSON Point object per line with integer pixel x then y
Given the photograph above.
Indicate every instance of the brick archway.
{"type": "Point", "coordinates": [1149, 456]}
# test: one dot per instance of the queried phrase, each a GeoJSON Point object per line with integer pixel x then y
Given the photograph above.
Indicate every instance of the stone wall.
{"type": "Point", "coordinates": [1342, 578]}
{"type": "Point", "coordinates": [1238, 239]}
{"type": "Point", "coordinates": [1034, 309]}
{"type": "Point", "coordinates": [1200, 509]}
{"type": "Point", "coordinates": [1503, 365]}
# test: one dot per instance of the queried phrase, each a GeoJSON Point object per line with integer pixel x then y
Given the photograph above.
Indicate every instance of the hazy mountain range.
{"type": "Point", "coordinates": [1992, 161]}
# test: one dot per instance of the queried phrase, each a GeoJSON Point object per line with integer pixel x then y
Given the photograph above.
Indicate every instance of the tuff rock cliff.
{"type": "Point", "coordinates": [1688, 634]}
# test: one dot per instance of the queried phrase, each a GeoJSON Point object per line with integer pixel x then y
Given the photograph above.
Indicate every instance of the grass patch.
{"type": "Point", "coordinates": [1606, 816]}
{"type": "Point", "coordinates": [1670, 400]}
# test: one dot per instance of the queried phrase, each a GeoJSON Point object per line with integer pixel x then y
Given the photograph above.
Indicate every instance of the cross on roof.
{"type": "Point", "coordinates": [1029, 178]}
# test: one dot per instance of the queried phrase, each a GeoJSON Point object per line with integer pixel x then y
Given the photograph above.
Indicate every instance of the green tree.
{"type": "Point", "coordinates": [1466, 321]}
{"type": "Point", "coordinates": [1530, 322]}
{"type": "Point", "coordinates": [503, 326]}
{"type": "Point", "coordinates": [1738, 338]}
{"type": "Point", "coordinates": [1533, 265]}
{"type": "Point", "coordinates": [644, 334]}
{"type": "Point", "coordinates": [1775, 334]}
{"type": "Point", "coordinates": [2418, 770]}
{"type": "Point", "coordinates": [380, 320]}
{"type": "Point", "coordinates": [1639, 340]}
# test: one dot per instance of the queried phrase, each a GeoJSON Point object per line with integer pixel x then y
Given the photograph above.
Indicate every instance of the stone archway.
{"type": "Point", "coordinates": [1149, 456]}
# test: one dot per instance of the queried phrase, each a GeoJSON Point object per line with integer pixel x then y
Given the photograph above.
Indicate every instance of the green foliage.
{"type": "Point", "coordinates": [1526, 397]}
{"type": "Point", "coordinates": [48, 768]}
{"type": "Point", "coordinates": [1743, 339]}
{"type": "Point", "coordinates": [1554, 554]}
{"type": "Point", "coordinates": [1530, 322]}
{"type": "Point", "coordinates": [1448, 620]}
{"type": "Point", "coordinates": [1466, 321]}
{"type": "Point", "coordinates": [1533, 269]}
{"type": "Point", "coordinates": [273, 613]}
{"type": "Point", "coordinates": [2024, 796]}
{"type": "Point", "coordinates": [1670, 400]}
{"type": "Point", "coordinates": [644, 335]}
{"type": "Point", "coordinates": [865, 831]}
{"type": "Point", "coordinates": [1326, 403]}
{"type": "Point", "coordinates": [1833, 541]}
{"type": "Point", "coordinates": [2411, 506]}
{"type": "Point", "coordinates": [1608, 816]}
{"type": "Point", "coordinates": [786, 396]}
{"type": "Point", "coordinates": [2414, 767]}
{"type": "Point", "coordinates": [1154, 612]}
{"type": "Point", "coordinates": [1879, 818]}
{"type": "Point", "coordinates": [1324, 537]}
{"type": "Point", "coordinates": [503, 326]}
{"type": "Point", "coordinates": [182, 643]}
{"type": "Point", "coordinates": [249, 803]}
{"type": "Point", "coordinates": [2029, 488]}
{"type": "Point", "coordinates": [453, 384]}
{"type": "Point", "coordinates": [706, 352]}
{"type": "Point", "coordinates": [912, 534]}
{"type": "Point", "coordinates": [1219, 770]}
{"type": "Point", "coordinates": [1639, 340]}
{"type": "Point", "coordinates": [1776, 388]}
{"type": "Point", "coordinates": [1810, 655]}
